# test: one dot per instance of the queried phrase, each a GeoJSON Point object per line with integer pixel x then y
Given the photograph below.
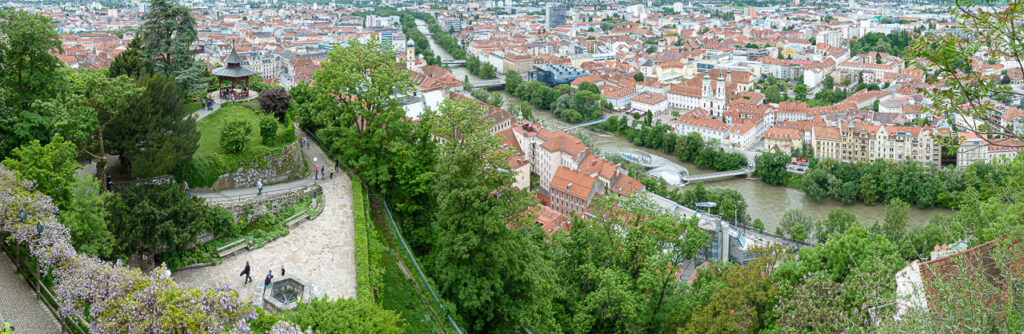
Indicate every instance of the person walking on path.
{"type": "Point", "coordinates": [245, 272]}
{"type": "Point", "coordinates": [188, 191]}
{"type": "Point", "coordinates": [316, 172]}
{"type": "Point", "coordinates": [259, 187]}
{"type": "Point", "coordinates": [332, 172]}
{"type": "Point", "coordinates": [322, 171]}
{"type": "Point", "coordinates": [282, 270]}
{"type": "Point", "coordinates": [266, 282]}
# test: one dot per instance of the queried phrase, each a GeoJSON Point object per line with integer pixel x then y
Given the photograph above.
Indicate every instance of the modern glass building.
{"type": "Point", "coordinates": [554, 15]}
{"type": "Point", "coordinates": [554, 75]}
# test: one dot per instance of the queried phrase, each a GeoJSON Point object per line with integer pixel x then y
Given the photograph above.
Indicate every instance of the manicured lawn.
{"type": "Point", "coordinates": [210, 127]}
{"type": "Point", "coordinates": [191, 107]}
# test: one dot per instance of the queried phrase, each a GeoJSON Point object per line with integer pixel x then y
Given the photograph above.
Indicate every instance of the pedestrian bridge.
{"type": "Point", "coordinates": [488, 84]}
{"type": "Point", "coordinates": [693, 178]}
{"type": "Point", "coordinates": [454, 62]}
{"type": "Point", "coordinates": [572, 127]}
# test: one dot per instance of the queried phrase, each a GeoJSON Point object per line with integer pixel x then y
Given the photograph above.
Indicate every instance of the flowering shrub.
{"type": "Point", "coordinates": [116, 299]}
{"type": "Point", "coordinates": [283, 327]}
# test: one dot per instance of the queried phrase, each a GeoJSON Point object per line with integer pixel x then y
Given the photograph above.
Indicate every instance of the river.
{"type": "Point", "coordinates": [765, 202]}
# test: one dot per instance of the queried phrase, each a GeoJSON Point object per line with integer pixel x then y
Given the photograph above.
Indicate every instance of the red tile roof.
{"type": "Point", "coordinates": [576, 184]}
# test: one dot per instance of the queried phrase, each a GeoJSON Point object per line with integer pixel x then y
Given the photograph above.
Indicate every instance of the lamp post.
{"type": "Point", "coordinates": [39, 229]}
{"type": "Point", "coordinates": [22, 215]}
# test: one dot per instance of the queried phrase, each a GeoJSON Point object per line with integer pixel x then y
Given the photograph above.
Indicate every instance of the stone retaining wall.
{"type": "Point", "coordinates": [252, 208]}
{"type": "Point", "coordinates": [282, 166]}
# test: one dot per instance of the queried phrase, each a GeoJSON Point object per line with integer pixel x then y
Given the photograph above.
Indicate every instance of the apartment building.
{"type": "Point", "coordinates": [783, 139]}
{"type": "Point", "coordinates": [572, 191]}
{"type": "Point", "coordinates": [902, 143]}
{"type": "Point", "coordinates": [853, 142]}
{"type": "Point", "coordinates": [699, 121]}
{"type": "Point", "coordinates": [656, 103]}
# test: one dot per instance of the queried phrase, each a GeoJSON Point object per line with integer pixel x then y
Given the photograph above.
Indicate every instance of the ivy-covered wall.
{"type": "Point", "coordinates": [253, 208]}
{"type": "Point", "coordinates": [281, 166]}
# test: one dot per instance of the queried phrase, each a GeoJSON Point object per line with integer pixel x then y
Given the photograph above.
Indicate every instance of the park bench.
{"type": "Point", "coordinates": [231, 248]}
{"type": "Point", "coordinates": [294, 220]}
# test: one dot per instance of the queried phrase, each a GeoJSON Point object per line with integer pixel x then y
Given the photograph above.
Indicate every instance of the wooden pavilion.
{"type": "Point", "coordinates": [235, 73]}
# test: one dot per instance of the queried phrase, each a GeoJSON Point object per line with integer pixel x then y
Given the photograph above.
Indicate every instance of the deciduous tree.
{"type": "Point", "coordinates": [51, 167]}
{"type": "Point", "coordinates": [28, 73]}
{"type": "Point", "coordinates": [837, 222]}
{"type": "Point", "coordinates": [86, 216]}
{"type": "Point", "coordinates": [619, 267]}
{"type": "Point", "coordinates": [771, 167]}
{"type": "Point", "coordinates": [344, 316]}
{"type": "Point", "coordinates": [895, 224]}
{"type": "Point", "coordinates": [796, 224]}
{"type": "Point", "coordinates": [275, 101]}
{"type": "Point", "coordinates": [498, 277]}
{"type": "Point", "coordinates": [356, 101]}
{"type": "Point", "coordinates": [96, 102]}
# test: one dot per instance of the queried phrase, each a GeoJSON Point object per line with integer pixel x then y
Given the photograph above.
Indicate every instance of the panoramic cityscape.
{"type": "Point", "coordinates": [509, 166]}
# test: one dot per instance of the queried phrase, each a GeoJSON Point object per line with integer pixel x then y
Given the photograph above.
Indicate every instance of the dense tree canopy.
{"type": "Point", "coordinates": [337, 316]}
{"type": "Point", "coordinates": [96, 102]}
{"type": "Point", "coordinates": [29, 73]}
{"type": "Point", "coordinates": [156, 220]}
{"type": "Point", "coordinates": [166, 36]}
{"type": "Point", "coordinates": [690, 147]}
{"type": "Point", "coordinates": [771, 167]}
{"type": "Point", "coordinates": [354, 101]}
{"type": "Point", "coordinates": [617, 268]}
{"type": "Point", "coordinates": [156, 133]}
{"type": "Point", "coordinates": [893, 43]}
{"type": "Point", "coordinates": [497, 276]}
{"type": "Point", "coordinates": [566, 103]}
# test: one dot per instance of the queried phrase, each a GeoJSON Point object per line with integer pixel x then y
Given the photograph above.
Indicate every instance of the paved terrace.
{"type": "Point", "coordinates": [19, 304]}
{"type": "Point", "coordinates": [320, 251]}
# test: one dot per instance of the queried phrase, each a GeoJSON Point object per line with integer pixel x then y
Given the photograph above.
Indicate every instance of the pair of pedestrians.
{"type": "Point", "coordinates": [320, 173]}
{"type": "Point", "coordinates": [266, 281]}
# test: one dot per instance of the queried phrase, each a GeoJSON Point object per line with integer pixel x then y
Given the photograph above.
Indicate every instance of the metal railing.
{"type": "Point", "coordinates": [422, 278]}
{"type": "Point", "coordinates": [218, 197]}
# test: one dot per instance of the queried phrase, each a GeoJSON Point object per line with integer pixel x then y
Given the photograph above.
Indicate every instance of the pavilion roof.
{"type": "Point", "coordinates": [233, 72]}
{"type": "Point", "coordinates": [234, 68]}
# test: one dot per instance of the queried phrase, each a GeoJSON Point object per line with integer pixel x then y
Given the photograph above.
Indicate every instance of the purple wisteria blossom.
{"type": "Point", "coordinates": [113, 297]}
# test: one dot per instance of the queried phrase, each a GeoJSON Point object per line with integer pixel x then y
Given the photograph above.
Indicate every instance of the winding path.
{"type": "Point", "coordinates": [321, 251]}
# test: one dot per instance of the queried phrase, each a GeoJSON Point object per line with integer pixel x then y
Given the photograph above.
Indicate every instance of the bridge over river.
{"type": "Point", "coordinates": [673, 173]}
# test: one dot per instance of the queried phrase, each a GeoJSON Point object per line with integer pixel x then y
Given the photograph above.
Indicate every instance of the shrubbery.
{"type": "Point", "coordinates": [234, 136]}
{"type": "Point", "coordinates": [201, 171]}
{"type": "Point", "coordinates": [268, 130]}
{"type": "Point", "coordinates": [275, 101]}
